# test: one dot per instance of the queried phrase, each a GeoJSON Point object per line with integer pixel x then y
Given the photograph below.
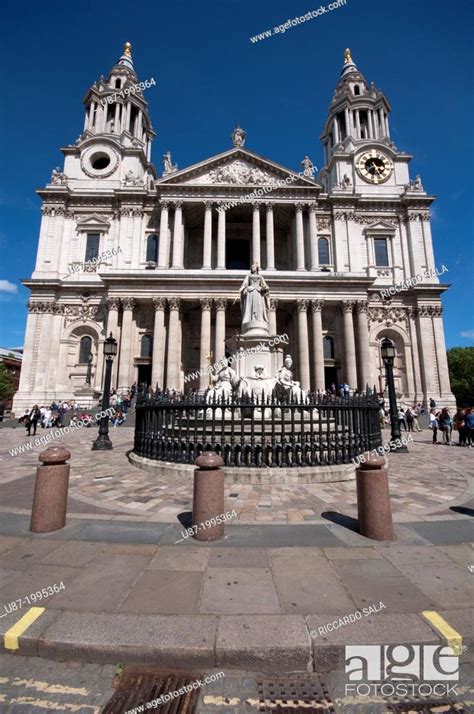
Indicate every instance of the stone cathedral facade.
{"type": "Point", "coordinates": [157, 260]}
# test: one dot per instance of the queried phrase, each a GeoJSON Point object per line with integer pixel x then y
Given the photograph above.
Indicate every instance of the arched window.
{"type": "Point", "coordinates": [117, 84]}
{"type": "Point", "coordinates": [85, 349]}
{"type": "Point", "coordinates": [328, 347]}
{"type": "Point", "coordinates": [356, 89]}
{"type": "Point", "coordinates": [152, 249]}
{"type": "Point", "coordinates": [146, 346]}
{"type": "Point", "coordinates": [323, 251]}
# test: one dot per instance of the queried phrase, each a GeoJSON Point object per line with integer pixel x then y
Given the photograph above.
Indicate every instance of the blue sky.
{"type": "Point", "coordinates": [210, 76]}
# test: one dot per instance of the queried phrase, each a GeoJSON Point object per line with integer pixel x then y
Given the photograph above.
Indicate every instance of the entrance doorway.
{"type": "Point", "coordinates": [237, 254]}
{"type": "Point", "coordinates": [330, 376]}
{"type": "Point", "coordinates": [144, 374]}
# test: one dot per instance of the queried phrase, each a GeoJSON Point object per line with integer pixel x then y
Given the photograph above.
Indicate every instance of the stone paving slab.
{"type": "Point", "coordinates": [239, 591]}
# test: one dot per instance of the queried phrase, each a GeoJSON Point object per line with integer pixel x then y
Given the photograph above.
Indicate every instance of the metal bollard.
{"type": "Point", "coordinates": [51, 487]}
{"type": "Point", "coordinates": [373, 500]}
{"type": "Point", "coordinates": [208, 496]}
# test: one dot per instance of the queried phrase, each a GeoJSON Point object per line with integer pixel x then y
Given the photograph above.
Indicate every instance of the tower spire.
{"type": "Point", "coordinates": [126, 59]}
{"type": "Point", "coordinates": [349, 64]}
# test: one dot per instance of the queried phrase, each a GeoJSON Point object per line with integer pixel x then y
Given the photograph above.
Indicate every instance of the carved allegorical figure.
{"type": "Point", "coordinates": [254, 301]}
{"type": "Point", "coordinates": [286, 387]}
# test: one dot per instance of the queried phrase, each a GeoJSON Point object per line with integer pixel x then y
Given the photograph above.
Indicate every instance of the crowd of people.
{"type": "Point", "coordinates": [54, 415]}
{"type": "Point", "coordinates": [462, 422]}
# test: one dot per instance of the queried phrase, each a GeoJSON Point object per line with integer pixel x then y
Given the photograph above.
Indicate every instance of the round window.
{"type": "Point", "coordinates": [100, 161]}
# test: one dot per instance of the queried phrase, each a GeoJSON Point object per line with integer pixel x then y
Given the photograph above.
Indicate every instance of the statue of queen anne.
{"type": "Point", "coordinates": [254, 302]}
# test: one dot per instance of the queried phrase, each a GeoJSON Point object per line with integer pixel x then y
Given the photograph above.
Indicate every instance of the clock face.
{"type": "Point", "coordinates": [374, 166]}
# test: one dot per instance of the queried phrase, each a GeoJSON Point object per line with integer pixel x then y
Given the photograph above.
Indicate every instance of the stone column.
{"type": "Point", "coordinates": [205, 346]}
{"type": "Point", "coordinates": [300, 264]}
{"type": "Point", "coordinates": [126, 343]}
{"type": "Point", "coordinates": [440, 345]}
{"type": "Point", "coordinates": [221, 240]}
{"type": "Point", "coordinates": [27, 373]}
{"type": "Point", "coordinates": [256, 258]}
{"type": "Point", "coordinates": [174, 341]}
{"type": "Point", "coordinates": [364, 350]}
{"type": "Point", "coordinates": [178, 235]}
{"type": "Point", "coordinates": [319, 376]}
{"type": "Point", "coordinates": [219, 350]}
{"type": "Point", "coordinates": [163, 250]}
{"type": "Point", "coordinates": [415, 354]}
{"type": "Point", "coordinates": [357, 117]}
{"type": "Point", "coordinates": [113, 305]}
{"type": "Point", "coordinates": [303, 343]}
{"type": "Point", "coordinates": [270, 238]}
{"type": "Point", "coordinates": [313, 237]}
{"type": "Point", "coordinates": [207, 242]}
{"type": "Point", "coordinates": [272, 317]}
{"type": "Point", "coordinates": [349, 345]}
{"type": "Point", "coordinates": [158, 358]}
{"type": "Point", "coordinates": [44, 347]}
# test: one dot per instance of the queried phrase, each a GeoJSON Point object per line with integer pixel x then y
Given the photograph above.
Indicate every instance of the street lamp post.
{"type": "Point", "coordinates": [103, 442]}
{"type": "Point", "coordinates": [388, 355]}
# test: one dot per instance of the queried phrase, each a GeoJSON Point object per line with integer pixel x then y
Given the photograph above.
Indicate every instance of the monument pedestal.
{"type": "Point", "coordinates": [251, 350]}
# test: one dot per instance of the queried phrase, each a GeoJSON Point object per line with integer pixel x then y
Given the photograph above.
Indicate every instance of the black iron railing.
{"type": "Point", "coordinates": [247, 432]}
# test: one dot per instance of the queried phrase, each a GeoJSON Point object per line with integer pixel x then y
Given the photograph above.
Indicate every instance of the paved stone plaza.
{"type": "Point", "coordinates": [423, 484]}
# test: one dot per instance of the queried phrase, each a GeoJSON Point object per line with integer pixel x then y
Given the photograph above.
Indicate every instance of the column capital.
{"type": "Point", "coordinates": [362, 306]}
{"type": "Point", "coordinates": [256, 205]}
{"type": "Point", "coordinates": [299, 206]}
{"type": "Point", "coordinates": [273, 303]}
{"type": "Point", "coordinates": [437, 310]}
{"type": "Point", "coordinates": [221, 206]}
{"type": "Point", "coordinates": [221, 303]}
{"type": "Point", "coordinates": [177, 204]}
{"type": "Point", "coordinates": [164, 202]}
{"type": "Point", "coordinates": [269, 205]}
{"type": "Point", "coordinates": [302, 305]}
{"type": "Point", "coordinates": [348, 305]}
{"type": "Point", "coordinates": [208, 205]}
{"type": "Point", "coordinates": [159, 303]}
{"type": "Point", "coordinates": [113, 303]}
{"type": "Point", "coordinates": [317, 305]}
{"type": "Point", "coordinates": [128, 303]}
{"type": "Point", "coordinates": [206, 303]}
{"type": "Point", "coordinates": [174, 303]}
{"type": "Point", "coordinates": [312, 207]}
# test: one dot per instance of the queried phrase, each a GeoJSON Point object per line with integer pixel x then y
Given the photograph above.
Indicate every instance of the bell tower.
{"type": "Point", "coordinates": [116, 140]}
{"type": "Point", "coordinates": [358, 150]}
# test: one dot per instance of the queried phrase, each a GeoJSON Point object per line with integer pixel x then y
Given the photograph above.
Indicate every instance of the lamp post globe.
{"type": "Point", "coordinates": [388, 353]}
{"type": "Point", "coordinates": [103, 442]}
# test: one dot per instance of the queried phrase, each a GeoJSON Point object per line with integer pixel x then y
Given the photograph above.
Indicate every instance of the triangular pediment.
{"type": "Point", "coordinates": [380, 226]}
{"type": "Point", "coordinates": [236, 168]}
{"type": "Point", "coordinates": [94, 222]}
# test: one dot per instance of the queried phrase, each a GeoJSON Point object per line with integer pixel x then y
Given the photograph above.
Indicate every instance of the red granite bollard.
{"type": "Point", "coordinates": [208, 496]}
{"type": "Point", "coordinates": [373, 500]}
{"type": "Point", "coordinates": [51, 487]}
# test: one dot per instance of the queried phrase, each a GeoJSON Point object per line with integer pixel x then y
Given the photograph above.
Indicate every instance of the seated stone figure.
{"type": "Point", "coordinates": [224, 383]}
{"type": "Point", "coordinates": [261, 384]}
{"type": "Point", "coordinates": [285, 387]}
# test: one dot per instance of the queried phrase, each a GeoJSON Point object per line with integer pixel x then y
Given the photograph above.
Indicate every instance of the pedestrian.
{"type": "Point", "coordinates": [401, 418]}
{"type": "Point", "coordinates": [459, 426]}
{"type": "Point", "coordinates": [416, 414]}
{"type": "Point", "coordinates": [469, 426]}
{"type": "Point", "coordinates": [34, 417]}
{"type": "Point", "coordinates": [432, 403]}
{"type": "Point", "coordinates": [409, 418]}
{"type": "Point", "coordinates": [433, 425]}
{"type": "Point", "coordinates": [446, 425]}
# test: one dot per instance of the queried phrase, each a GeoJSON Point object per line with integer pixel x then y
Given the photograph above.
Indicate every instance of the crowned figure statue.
{"type": "Point", "coordinates": [254, 302]}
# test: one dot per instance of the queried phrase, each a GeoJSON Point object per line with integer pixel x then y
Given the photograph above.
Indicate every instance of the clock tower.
{"type": "Point", "coordinates": [358, 151]}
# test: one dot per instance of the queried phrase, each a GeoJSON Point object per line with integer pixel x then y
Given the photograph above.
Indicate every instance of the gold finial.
{"type": "Point", "coordinates": [347, 56]}
{"type": "Point", "coordinates": [127, 49]}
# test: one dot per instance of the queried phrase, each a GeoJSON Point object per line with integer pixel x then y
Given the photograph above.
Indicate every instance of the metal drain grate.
{"type": "Point", "coordinates": [428, 707]}
{"type": "Point", "coordinates": [139, 686]}
{"type": "Point", "coordinates": [300, 693]}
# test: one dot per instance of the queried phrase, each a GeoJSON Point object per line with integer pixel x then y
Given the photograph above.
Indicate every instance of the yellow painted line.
{"type": "Point", "coordinates": [452, 636]}
{"type": "Point", "coordinates": [11, 636]}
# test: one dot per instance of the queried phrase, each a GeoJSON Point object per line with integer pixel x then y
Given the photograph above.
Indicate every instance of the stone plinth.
{"type": "Point", "coordinates": [255, 350]}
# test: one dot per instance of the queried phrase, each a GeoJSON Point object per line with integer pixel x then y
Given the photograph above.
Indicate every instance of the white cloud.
{"type": "Point", "coordinates": [7, 287]}
{"type": "Point", "coordinates": [467, 333]}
